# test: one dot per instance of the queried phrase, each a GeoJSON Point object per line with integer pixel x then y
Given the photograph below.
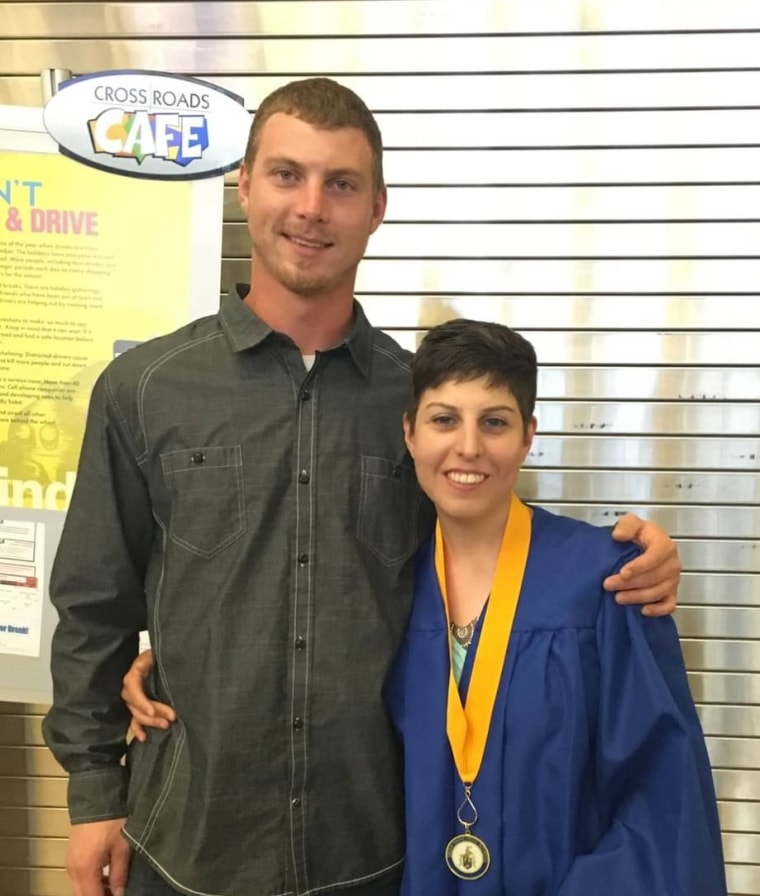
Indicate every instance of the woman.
{"type": "Point", "coordinates": [551, 744]}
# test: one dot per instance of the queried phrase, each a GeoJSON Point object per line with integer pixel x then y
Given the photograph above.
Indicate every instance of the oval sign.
{"type": "Point", "coordinates": [149, 124]}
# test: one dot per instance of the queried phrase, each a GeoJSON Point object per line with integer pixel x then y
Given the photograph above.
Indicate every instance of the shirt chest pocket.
{"type": "Point", "coordinates": [207, 498]}
{"type": "Point", "coordinates": [388, 509]}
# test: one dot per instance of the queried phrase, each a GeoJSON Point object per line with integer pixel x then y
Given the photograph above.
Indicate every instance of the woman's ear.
{"type": "Point", "coordinates": [530, 432]}
{"type": "Point", "coordinates": [408, 435]}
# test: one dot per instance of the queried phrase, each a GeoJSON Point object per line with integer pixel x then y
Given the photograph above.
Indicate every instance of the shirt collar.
{"type": "Point", "coordinates": [246, 330]}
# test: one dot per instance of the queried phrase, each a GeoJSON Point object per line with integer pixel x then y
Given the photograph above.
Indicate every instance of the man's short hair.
{"type": "Point", "coordinates": [323, 103]}
{"type": "Point", "coordinates": [464, 350]}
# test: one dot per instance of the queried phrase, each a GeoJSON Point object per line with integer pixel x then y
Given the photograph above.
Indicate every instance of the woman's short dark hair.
{"type": "Point", "coordinates": [464, 350]}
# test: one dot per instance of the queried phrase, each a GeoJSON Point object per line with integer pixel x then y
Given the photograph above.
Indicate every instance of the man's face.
{"type": "Point", "coordinates": [311, 205]}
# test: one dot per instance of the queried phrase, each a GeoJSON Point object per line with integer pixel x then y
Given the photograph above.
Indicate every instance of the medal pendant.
{"type": "Point", "coordinates": [467, 856]}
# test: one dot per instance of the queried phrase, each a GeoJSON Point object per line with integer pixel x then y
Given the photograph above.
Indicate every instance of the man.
{"type": "Point", "coordinates": [244, 493]}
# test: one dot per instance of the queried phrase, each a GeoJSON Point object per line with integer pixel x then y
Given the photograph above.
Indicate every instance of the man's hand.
{"type": "Point", "coordinates": [651, 579]}
{"type": "Point", "coordinates": [93, 846]}
{"type": "Point", "coordinates": [145, 712]}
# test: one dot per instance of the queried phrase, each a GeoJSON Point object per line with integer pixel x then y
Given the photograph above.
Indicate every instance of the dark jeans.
{"type": "Point", "coordinates": [144, 881]}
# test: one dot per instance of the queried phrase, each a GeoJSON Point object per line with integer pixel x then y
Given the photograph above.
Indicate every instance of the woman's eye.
{"type": "Point", "coordinates": [494, 423]}
{"type": "Point", "coordinates": [443, 420]}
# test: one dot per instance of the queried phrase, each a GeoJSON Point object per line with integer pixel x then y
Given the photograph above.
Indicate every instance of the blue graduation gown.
{"type": "Point", "coordinates": [595, 779]}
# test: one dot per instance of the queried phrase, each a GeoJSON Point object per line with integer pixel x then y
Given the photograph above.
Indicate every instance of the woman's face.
{"type": "Point", "coordinates": [468, 442]}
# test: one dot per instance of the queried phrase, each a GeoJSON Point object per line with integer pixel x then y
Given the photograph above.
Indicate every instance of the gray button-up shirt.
{"type": "Point", "coordinates": [259, 521]}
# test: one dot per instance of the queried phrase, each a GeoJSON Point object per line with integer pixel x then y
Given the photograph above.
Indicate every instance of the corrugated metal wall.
{"type": "Point", "coordinates": [586, 170]}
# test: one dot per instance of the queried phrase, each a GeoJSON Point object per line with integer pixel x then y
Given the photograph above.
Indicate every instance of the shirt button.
{"type": "Point", "coordinates": [198, 457]}
{"type": "Point", "coordinates": [305, 395]}
{"type": "Point", "coordinates": [295, 802]}
{"type": "Point", "coordinates": [300, 643]}
{"type": "Point", "coordinates": [303, 559]}
{"type": "Point", "coordinates": [303, 477]}
{"type": "Point", "coordinates": [298, 723]}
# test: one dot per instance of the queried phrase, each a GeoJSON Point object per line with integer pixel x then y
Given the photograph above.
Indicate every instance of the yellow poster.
{"type": "Point", "coordinates": [90, 264]}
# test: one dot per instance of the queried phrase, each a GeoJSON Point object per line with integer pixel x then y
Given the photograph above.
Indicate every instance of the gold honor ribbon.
{"type": "Point", "coordinates": [467, 726]}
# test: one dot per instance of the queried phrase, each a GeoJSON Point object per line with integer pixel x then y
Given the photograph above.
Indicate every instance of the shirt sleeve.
{"type": "Point", "coordinates": [97, 587]}
{"type": "Point", "coordinates": [656, 791]}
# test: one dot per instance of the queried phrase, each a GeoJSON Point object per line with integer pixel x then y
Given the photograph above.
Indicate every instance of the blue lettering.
{"type": "Point", "coordinates": [6, 193]}
{"type": "Point", "coordinates": [32, 185]}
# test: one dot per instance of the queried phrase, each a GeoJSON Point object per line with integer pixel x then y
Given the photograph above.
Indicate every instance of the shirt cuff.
{"type": "Point", "coordinates": [98, 795]}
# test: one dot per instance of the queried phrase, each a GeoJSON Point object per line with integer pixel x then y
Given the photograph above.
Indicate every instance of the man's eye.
{"type": "Point", "coordinates": [342, 186]}
{"type": "Point", "coordinates": [284, 175]}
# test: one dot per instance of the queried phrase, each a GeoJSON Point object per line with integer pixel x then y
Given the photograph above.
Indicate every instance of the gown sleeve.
{"type": "Point", "coordinates": [656, 796]}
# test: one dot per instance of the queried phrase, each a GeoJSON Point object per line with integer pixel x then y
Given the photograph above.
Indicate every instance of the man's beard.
{"type": "Point", "coordinates": [306, 283]}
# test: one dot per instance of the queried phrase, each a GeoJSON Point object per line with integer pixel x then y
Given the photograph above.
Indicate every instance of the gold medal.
{"type": "Point", "coordinates": [467, 856]}
{"type": "Point", "coordinates": [467, 726]}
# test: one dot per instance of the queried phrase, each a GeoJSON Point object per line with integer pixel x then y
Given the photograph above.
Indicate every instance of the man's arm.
{"type": "Point", "coordinates": [97, 587]}
{"type": "Point", "coordinates": [652, 578]}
